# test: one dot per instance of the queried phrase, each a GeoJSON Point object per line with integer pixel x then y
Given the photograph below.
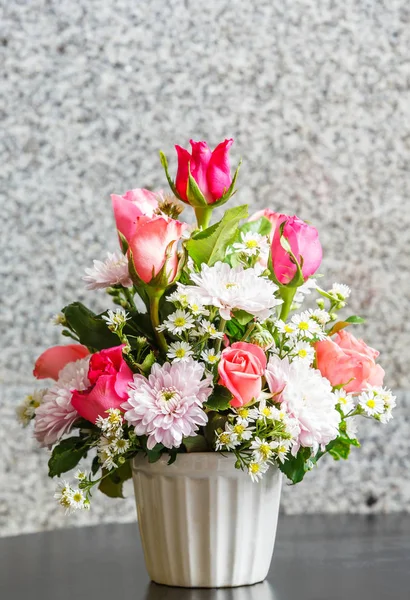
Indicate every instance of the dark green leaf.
{"type": "Point", "coordinates": [91, 329]}
{"type": "Point", "coordinates": [295, 467]}
{"type": "Point", "coordinates": [219, 399]}
{"type": "Point", "coordinates": [242, 317]}
{"type": "Point", "coordinates": [155, 453]}
{"type": "Point", "coordinates": [196, 443]}
{"type": "Point", "coordinates": [95, 465]}
{"type": "Point", "coordinates": [112, 484]}
{"type": "Point", "coordinates": [209, 246]}
{"type": "Point", "coordinates": [215, 421]}
{"type": "Point", "coordinates": [66, 455]}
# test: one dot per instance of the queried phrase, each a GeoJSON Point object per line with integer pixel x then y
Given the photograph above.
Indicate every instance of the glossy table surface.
{"type": "Point", "coordinates": [316, 558]}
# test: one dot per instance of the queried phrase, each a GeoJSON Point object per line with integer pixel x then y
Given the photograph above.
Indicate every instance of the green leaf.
{"type": "Point", "coordinates": [215, 421]}
{"type": "Point", "coordinates": [66, 455]}
{"type": "Point", "coordinates": [194, 194]}
{"type": "Point", "coordinates": [230, 191]}
{"type": "Point", "coordinates": [155, 453]}
{"type": "Point", "coordinates": [355, 320]}
{"type": "Point", "coordinates": [295, 467]}
{"type": "Point", "coordinates": [91, 329]}
{"type": "Point", "coordinates": [242, 317]}
{"type": "Point", "coordinates": [164, 163]}
{"type": "Point", "coordinates": [262, 226]}
{"type": "Point", "coordinates": [219, 399]}
{"type": "Point", "coordinates": [209, 246]}
{"type": "Point", "coordinates": [95, 465]}
{"type": "Point", "coordinates": [339, 448]}
{"type": "Point", "coordinates": [112, 484]}
{"type": "Point", "coordinates": [196, 443]}
{"type": "Point", "coordinates": [148, 362]}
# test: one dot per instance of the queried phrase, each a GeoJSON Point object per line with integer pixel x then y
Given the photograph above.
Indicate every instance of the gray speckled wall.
{"type": "Point", "coordinates": [317, 97]}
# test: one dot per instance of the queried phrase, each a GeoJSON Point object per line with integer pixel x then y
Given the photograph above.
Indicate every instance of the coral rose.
{"type": "Point", "coordinates": [52, 360]}
{"type": "Point", "coordinates": [240, 369]}
{"type": "Point", "coordinates": [346, 360]}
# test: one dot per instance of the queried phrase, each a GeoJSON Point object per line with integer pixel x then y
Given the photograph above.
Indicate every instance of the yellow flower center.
{"type": "Point", "coordinates": [342, 400]}
{"type": "Point", "coordinates": [77, 497]}
{"type": "Point", "coordinates": [303, 325]}
{"type": "Point", "coordinates": [289, 329]}
{"type": "Point", "coordinates": [239, 429]}
{"type": "Point", "coordinates": [251, 244]}
{"type": "Point", "coordinates": [180, 321]}
{"type": "Point", "coordinates": [254, 468]}
{"type": "Point", "coordinates": [212, 358]}
{"type": "Point", "coordinates": [265, 411]}
{"type": "Point", "coordinates": [302, 353]}
{"type": "Point", "coordinates": [243, 413]}
{"type": "Point", "coordinates": [195, 307]}
{"type": "Point", "coordinates": [371, 403]}
{"type": "Point", "coordinates": [282, 449]}
{"type": "Point", "coordinates": [265, 450]}
{"type": "Point", "coordinates": [231, 285]}
{"type": "Point", "coordinates": [180, 353]}
{"type": "Point", "coordinates": [224, 438]}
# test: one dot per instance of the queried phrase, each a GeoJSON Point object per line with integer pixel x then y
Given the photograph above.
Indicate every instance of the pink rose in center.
{"type": "Point", "coordinates": [346, 358]}
{"type": "Point", "coordinates": [109, 376]}
{"type": "Point", "coordinates": [240, 370]}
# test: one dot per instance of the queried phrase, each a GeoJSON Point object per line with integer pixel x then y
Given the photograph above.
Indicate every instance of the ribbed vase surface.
{"type": "Point", "coordinates": [204, 523]}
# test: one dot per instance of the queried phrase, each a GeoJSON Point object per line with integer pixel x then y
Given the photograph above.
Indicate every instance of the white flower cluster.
{"type": "Point", "coordinates": [72, 499]}
{"type": "Point", "coordinates": [253, 245]}
{"type": "Point", "coordinates": [116, 319]}
{"type": "Point", "coordinates": [377, 402]}
{"type": "Point", "coordinates": [264, 433]}
{"type": "Point", "coordinates": [112, 443]}
{"type": "Point", "coordinates": [26, 411]}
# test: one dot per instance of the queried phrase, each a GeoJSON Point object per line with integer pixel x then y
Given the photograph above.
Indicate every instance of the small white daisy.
{"type": "Point", "coordinates": [113, 271]}
{"type": "Point", "coordinates": [80, 475]}
{"type": "Point", "coordinates": [226, 441]}
{"type": "Point", "coordinates": [178, 297]}
{"type": "Point", "coordinates": [209, 329]}
{"type": "Point", "coordinates": [286, 328]}
{"type": "Point", "coordinates": [319, 314]}
{"type": "Point", "coordinates": [262, 449]}
{"type": "Point", "coordinates": [112, 424]}
{"type": "Point", "coordinates": [372, 403]}
{"type": "Point", "coordinates": [26, 411]}
{"type": "Point", "coordinates": [268, 413]}
{"type": "Point", "coordinates": [340, 290]}
{"type": "Point", "coordinates": [178, 322]}
{"type": "Point", "coordinates": [210, 356]}
{"type": "Point", "coordinates": [252, 244]}
{"type": "Point", "coordinates": [306, 327]}
{"type": "Point", "coordinates": [119, 445]}
{"type": "Point", "coordinates": [116, 319]}
{"type": "Point", "coordinates": [303, 351]}
{"type": "Point", "coordinates": [256, 470]}
{"type": "Point", "coordinates": [345, 401]}
{"type": "Point", "coordinates": [246, 415]}
{"type": "Point", "coordinates": [240, 430]}
{"type": "Point", "coordinates": [179, 351]}
{"type": "Point", "coordinates": [282, 449]}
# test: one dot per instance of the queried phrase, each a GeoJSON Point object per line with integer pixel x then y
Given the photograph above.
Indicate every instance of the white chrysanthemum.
{"type": "Point", "coordinates": [113, 271]}
{"type": "Point", "coordinates": [308, 398]}
{"type": "Point", "coordinates": [55, 415]}
{"type": "Point", "coordinates": [230, 288]}
{"type": "Point", "coordinates": [345, 401]}
{"type": "Point", "coordinates": [168, 405]}
{"type": "Point", "coordinates": [179, 351]}
{"type": "Point", "coordinates": [252, 244]}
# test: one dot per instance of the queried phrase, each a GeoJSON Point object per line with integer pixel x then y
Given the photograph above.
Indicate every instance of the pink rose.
{"type": "Point", "coordinates": [109, 376]}
{"type": "Point", "coordinates": [304, 244]}
{"type": "Point", "coordinates": [344, 357]}
{"type": "Point", "coordinates": [210, 169]}
{"type": "Point", "coordinates": [240, 370]}
{"type": "Point", "coordinates": [131, 205]}
{"type": "Point", "coordinates": [155, 244]}
{"type": "Point", "coordinates": [50, 363]}
{"type": "Point", "coordinates": [274, 218]}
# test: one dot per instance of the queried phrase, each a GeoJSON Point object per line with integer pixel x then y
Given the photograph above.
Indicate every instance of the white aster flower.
{"type": "Point", "coordinates": [257, 470]}
{"type": "Point", "coordinates": [209, 329]}
{"type": "Point", "coordinates": [26, 411]}
{"type": "Point", "coordinates": [319, 314]}
{"type": "Point", "coordinates": [56, 415]}
{"type": "Point", "coordinates": [119, 445]}
{"type": "Point", "coordinates": [282, 449]}
{"type": "Point", "coordinates": [307, 327]}
{"type": "Point", "coordinates": [340, 290]}
{"type": "Point", "coordinates": [345, 401]}
{"type": "Point", "coordinates": [230, 288]}
{"type": "Point", "coordinates": [112, 424]}
{"type": "Point", "coordinates": [113, 271]}
{"type": "Point", "coordinates": [168, 406]}
{"type": "Point", "coordinates": [241, 430]}
{"type": "Point", "coordinates": [63, 495]}
{"type": "Point", "coordinates": [105, 454]}
{"type": "Point", "coordinates": [80, 475]}
{"type": "Point", "coordinates": [179, 351]}
{"type": "Point", "coordinates": [252, 244]}
{"type": "Point", "coordinates": [116, 319]}
{"type": "Point", "coordinates": [288, 329]}
{"type": "Point", "coordinates": [226, 441]}
{"type": "Point", "coordinates": [262, 449]}
{"type": "Point", "coordinates": [58, 319]}
{"type": "Point", "coordinates": [303, 351]}
{"type": "Point", "coordinates": [371, 402]}
{"type": "Point", "coordinates": [178, 322]}
{"type": "Point", "coordinates": [210, 356]}
{"type": "Point", "coordinates": [268, 412]}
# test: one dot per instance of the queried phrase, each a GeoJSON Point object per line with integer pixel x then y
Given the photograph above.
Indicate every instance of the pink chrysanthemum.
{"type": "Point", "coordinates": [168, 405]}
{"type": "Point", "coordinates": [55, 415]}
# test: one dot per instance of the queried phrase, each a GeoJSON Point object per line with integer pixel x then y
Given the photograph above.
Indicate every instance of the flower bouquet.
{"type": "Point", "coordinates": [208, 381]}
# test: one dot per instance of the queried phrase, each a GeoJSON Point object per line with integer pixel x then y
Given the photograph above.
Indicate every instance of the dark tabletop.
{"type": "Point", "coordinates": [316, 558]}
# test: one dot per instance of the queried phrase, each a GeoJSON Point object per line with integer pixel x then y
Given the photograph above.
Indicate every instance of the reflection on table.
{"type": "Point", "coordinates": [260, 591]}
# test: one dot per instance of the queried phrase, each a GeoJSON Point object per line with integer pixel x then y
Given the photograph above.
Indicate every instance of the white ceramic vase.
{"type": "Point", "coordinates": [204, 523]}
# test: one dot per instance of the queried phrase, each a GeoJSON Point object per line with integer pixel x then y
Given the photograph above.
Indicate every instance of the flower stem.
{"type": "Point", "coordinates": [221, 327]}
{"type": "Point", "coordinates": [203, 216]}
{"type": "Point", "coordinates": [154, 298]}
{"type": "Point", "coordinates": [287, 294]}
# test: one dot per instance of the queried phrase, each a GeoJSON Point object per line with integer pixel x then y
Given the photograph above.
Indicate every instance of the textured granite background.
{"type": "Point", "coordinates": [317, 97]}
